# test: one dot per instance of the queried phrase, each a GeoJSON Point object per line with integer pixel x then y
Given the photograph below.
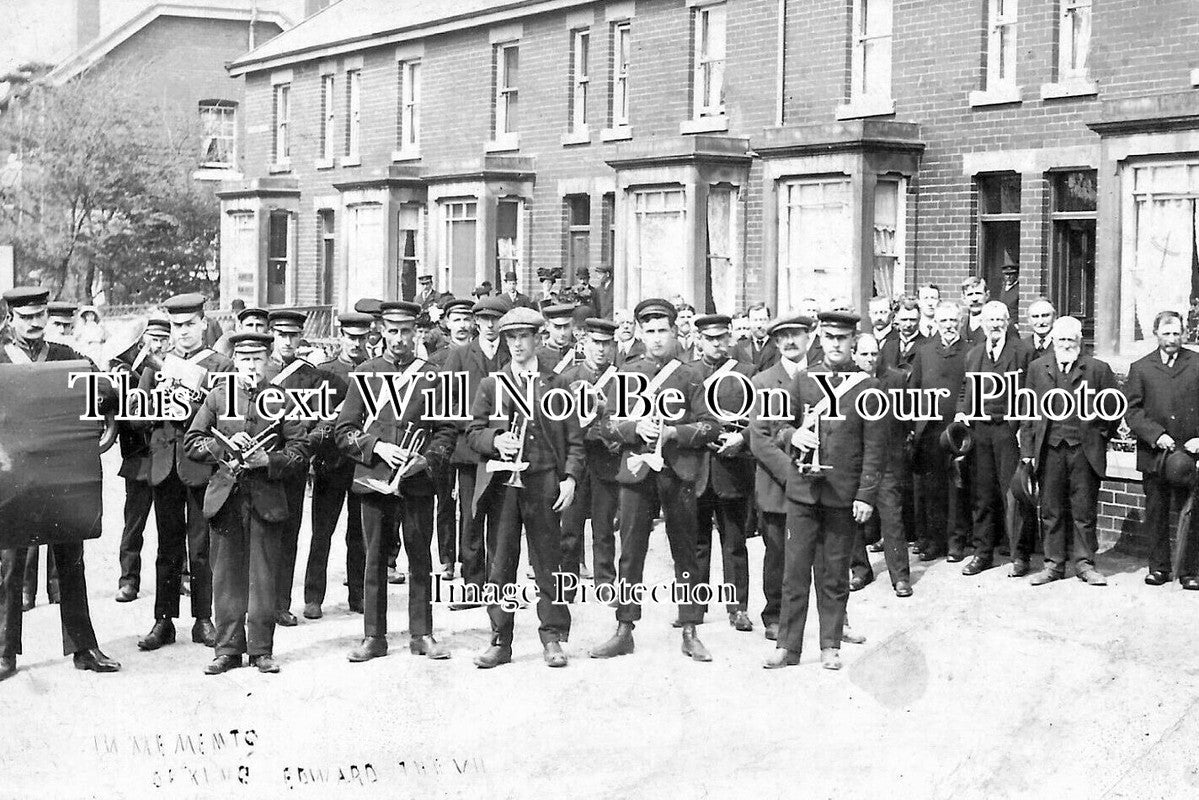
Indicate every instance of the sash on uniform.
{"type": "Point", "coordinates": [288, 371]}
{"type": "Point", "coordinates": [18, 356]}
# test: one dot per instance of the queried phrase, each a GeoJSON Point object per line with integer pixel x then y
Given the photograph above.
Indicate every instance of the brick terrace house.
{"type": "Point", "coordinates": [730, 151]}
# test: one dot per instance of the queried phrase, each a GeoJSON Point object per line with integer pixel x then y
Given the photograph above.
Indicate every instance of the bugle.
{"type": "Point", "coordinates": [517, 426]}
{"type": "Point", "coordinates": [808, 463]}
{"type": "Point", "coordinates": [412, 441]}
{"type": "Point", "coordinates": [639, 463]}
{"type": "Point", "coordinates": [239, 455]}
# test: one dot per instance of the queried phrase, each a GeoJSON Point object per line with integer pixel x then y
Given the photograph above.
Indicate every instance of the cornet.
{"type": "Point", "coordinates": [411, 443]}
{"type": "Point", "coordinates": [517, 426]}
{"type": "Point", "coordinates": [809, 463]}
{"type": "Point", "coordinates": [639, 462]}
{"type": "Point", "coordinates": [238, 462]}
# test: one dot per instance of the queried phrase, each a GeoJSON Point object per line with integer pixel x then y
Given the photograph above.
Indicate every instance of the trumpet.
{"type": "Point", "coordinates": [412, 441]}
{"type": "Point", "coordinates": [238, 462]}
{"type": "Point", "coordinates": [808, 463]}
{"type": "Point", "coordinates": [638, 462]}
{"type": "Point", "coordinates": [518, 426]}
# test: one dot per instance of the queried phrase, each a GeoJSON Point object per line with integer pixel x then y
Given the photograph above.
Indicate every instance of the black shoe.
{"type": "Point", "coordinates": [395, 576]}
{"type": "Point", "coordinates": [464, 606]}
{"type": "Point", "coordinates": [932, 554]}
{"type": "Point", "coordinates": [96, 661]}
{"type": "Point", "coordinates": [1157, 577]}
{"type": "Point", "coordinates": [741, 621]}
{"type": "Point", "coordinates": [1019, 568]}
{"type": "Point", "coordinates": [313, 611]}
{"type": "Point", "coordinates": [976, 565]}
{"type": "Point", "coordinates": [772, 631]}
{"type": "Point", "coordinates": [204, 633]}
{"type": "Point", "coordinates": [693, 648]}
{"type": "Point", "coordinates": [493, 656]}
{"type": "Point", "coordinates": [857, 582]}
{"type": "Point", "coordinates": [126, 594]}
{"type": "Point", "coordinates": [356, 605]}
{"type": "Point", "coordinates": [371, 647]}
{"type": "Point", "coordinates": [286, 619]}
{"type": "Point", "coordinates": [903, 589]}
{"type": "Point", "coordinates": [621, 643]}
{"type": "Point", "coordinates": [554, 657]}
{"type": "Point", "coordinates": [54, 598]}
{"type": "Point", "coordinates": [1189, 582]}
{"type": "Point", "coordinates": [222, 664]}
{"type": "Point", "coordinates": [265, 663]}
{"type": "Point", "coordinates": [877, 547]}
{"type": "Point", "coordinates": [428, 646]}
{"type": "Point", "coordinates": [162, 633]}
{"type": "Point", "coordinates": [8, 667]}
{"type": "Point", "coordinates": [954, 557]}
{"type": "Point", "coordinates": [781, 657]}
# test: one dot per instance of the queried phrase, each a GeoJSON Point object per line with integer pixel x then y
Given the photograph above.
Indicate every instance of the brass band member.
{"type": "Point", "coordinates": [27, 315]}
{"type": "Point", "coordinates": [824, 507]}
{"type": "Point", "coordinates": [247, 505]}
{"type": "Point", "coordinates": [386, 453]}
{"type": "Point", "coordinates": [549, 455]}
{"type": "Point", "coordinates": [681, 445]}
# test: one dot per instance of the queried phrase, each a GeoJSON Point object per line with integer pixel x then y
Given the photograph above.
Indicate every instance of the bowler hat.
{"type": "Point", "coordinates": [957, 438]}
{"type": "Point", "coordinates": [1024, 485]}
{"type": "Point", "coordinates": [1178, 468]}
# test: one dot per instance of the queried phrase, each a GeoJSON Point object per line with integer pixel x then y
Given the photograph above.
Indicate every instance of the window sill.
{"type": "Point", "coordinates": [351, 161]}
{"type": "Point", "coordinates": [1195, 77]}
{"type": "Point", "coordinates": [503, 143]}
{"type": "Point", "coordinates": [280, 166]}
{"type": "Point", "coordinates": [216, 174]}
{"type": "Point", "coordinates": [405, 155]}
{"type": "Point", "coordinates": [619, 134]}
{"type": "Point", "coordinates": [705, 124]}
{"type": "Point", "coordinates": [325, 163]}
{"type": "Point", "coordinates": [576, 137]}
{"type": "Point", "coordinates": [866, 107]}
{"type": "Point", "coordinates": [1003, 95]}
{"type": "Point", "coordinates": [1077, 87]}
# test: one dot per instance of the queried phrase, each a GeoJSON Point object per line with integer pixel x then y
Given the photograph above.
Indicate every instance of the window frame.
{"type": "Point", "coordinates": [622, 33]}
{"type": "Point", "coordinates": [703, 62]}
{"type": "Point", "coordinates": [503, 128]}
{"type": "Point", "coordinates": [281, 111]}
{"type": "Point", "coordinates": [1059, 273]}
{"type": "Point", "coordinates": [580, 79]}
{"type": "Point", "coordinates": [858, 91]}
{"type": "Point", "coordinates": [1068, 44]}
{"type": "Point", "coordinates": [328, 117]}
{"type": "Point", "coordinates": [409, 100]}
{"type": "Point", "coordinates": [1002, 18]}
{"type": "Point", "coordinates": [353, 151]}
{"type": "Point", "coordinates": [222, 108]}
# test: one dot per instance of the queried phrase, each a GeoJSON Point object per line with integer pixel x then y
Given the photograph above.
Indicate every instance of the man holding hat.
{"type": "Point", "coordinates": [511, 290]}
{"type": "Point", "coordinates": [558, 353]}
{"type": "Point", "coordinates": [427, 296]}
{"type": "Point", "coordinates": [553, 451]}
{"type": "Point", "coordinates": [381, 446]}
{"type": "Point", "coordinates": [1163, 412]}
{"type": "Point", "coordinates": [598, 492]}
{"type": "Point", "coordinates": [824, 507]}
{"type": "Point", "coordinates": [790, 339]}
{"type": "Point", "coordinates": [682, 445]}
{"type": "Point", "coordinates": [287, 370]}
{"type": "Point", "coordinates": [1069, 455]}
{"type": "Point", "coordinates": [478, 359]}
{"type": "Point", "coordinates": [146, 348]}
{"type": "Point", "coordinates": [725, 486]}
{"type": "Point", "coordinates": [332, 477]}
{"type": "Point", "coordinates": [179, 481]}
{"type": "Point", "coordinates": [27, 315]}
{"type": "Point", "coordinates": [247, 505]}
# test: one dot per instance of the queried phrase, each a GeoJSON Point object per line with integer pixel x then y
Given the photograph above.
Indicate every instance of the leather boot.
{"type": "Point", "coordinates": [265, 663]}
{"type": "Point", "coordinates": [621, 643]}
{"type": "Point", "coordinates": [830, 658]}
{"type": "Point", "coordinates": [162, 633]}
{"type": "Point", "coordinates": [371, 647]}
{"type": "Point", "coordinates": [204, 633]}
{"type": "Point", "coordinates": [96, 661]}
{"type": "Point", "coordinates": [781, 657]}
{"type": "Point", "coordinates": [554, 657]}
{"type": "Point", "coordinates": [693, 647]}
{"type": "Point", "coordinates": [222, 664]}
{"type": "Point", "coordinates": [428, 646]}
{"type": "Point", "coordinates": [493, 656]}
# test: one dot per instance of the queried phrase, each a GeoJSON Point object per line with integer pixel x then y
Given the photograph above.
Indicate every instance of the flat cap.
{"type": "Point", "coordinates": [491, 307]}
{"type": "Point", "coordinates": [400, 311]}
{"type": "Point", "coordinates": [425, 278]}
{"type": "Point", "coordinates": [458, 306]}
{"type": "Point", "coordinates": [157, 326]}
{"type": "Point", "coordinates": [26, 297]}
{"type": "Point", "coordinates": [520, 317]}
{"type": "Point", "coordinates": [251, 311]}
{"type": "Point", "coordinates": [712, 324]}
{"type": "Point", "coordinates": [800, 322]}
{"type": "Point", "coordinates": [190, 303]}
{"type": "Point", "coordinates": [287, 320]}
{"type": "Point", "coordinates": [559, 311]}
{"type": "Point", "coordinates": [655, 307]}
{"type": "Point", "coordinates": [368, 305]}
{"type": "Point", "coordinates": [250, 341]}
{"type": "Point", "coordinates": [355, 322]}
{"type": "Point", "coordinates": [61, 308]}
{"type": "Point", "coordinates": [839, 319]}
{"type": "Point", "coordinates": [600, 329]}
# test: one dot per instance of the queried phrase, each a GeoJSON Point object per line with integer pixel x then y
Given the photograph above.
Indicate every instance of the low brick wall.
{"type": "Point", "coordinates": [1121, 511]}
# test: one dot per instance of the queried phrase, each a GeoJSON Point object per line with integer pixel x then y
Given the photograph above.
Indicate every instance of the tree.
{"type": "Point", "coordinates": [105, 195]}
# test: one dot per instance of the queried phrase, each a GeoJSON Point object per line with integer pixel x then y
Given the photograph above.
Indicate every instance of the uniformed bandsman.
{"type": "Point", "coordinates": [380, 448]}
{"type": "Point", "coordinates": [559, 352]}
{"type": "Point", "coordinates": [533, 498]}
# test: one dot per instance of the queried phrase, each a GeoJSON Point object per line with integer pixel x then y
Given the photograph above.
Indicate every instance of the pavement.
{"type": "Point", "coordinates": [978, 686]}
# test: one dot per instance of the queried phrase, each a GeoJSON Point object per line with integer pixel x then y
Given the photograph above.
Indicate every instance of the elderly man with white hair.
{"type": "Point", "coordinates": [1041, 316]}
{"type": "Point", "coordinates": [1069, 456]}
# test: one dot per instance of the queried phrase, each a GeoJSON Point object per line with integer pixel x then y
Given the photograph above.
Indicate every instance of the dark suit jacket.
{"type": "Point", "coordinates": [853, 447]}
{"type": "Point", "coordinates": [636, 350]}
{"type": "Point", "coordinates": [322, 441]}
{"type": "Point", "coordinates": [521, 299]}
{"type": "Point", "coordinates": [167, 450]}
{"type": "Point", "coordinates": [604, 300]}
{"type": "Point", "coordinates": [1162, 400]}
{"type": "Point", "coordinates": [287, 457]}
{"type": "Point", "coordinates": [549, 357]}
{"type": "Point", "coordinates": [729, 475]}
{"type": "Point", "coordinates": [1042, 377]}
{"type": "Point", "coordinates": [889, 353]}
{"type": "Point", "coordinates": [893, 379]}
{"type": "Point", "coordinates": [602, 458]}
{"type": "Point", "coordinates": [1031, 340]}
{"type": "Point", "coordinates": [565, 437]}
{"type": "Point", "coordinates": [770, 491]}
{"type": "Point", "coordinates": [1015, 357]}
{"type": "Point", "coordinates": [761, 358]}
{"type": "Point", "coordinates": [469, 359]}
{"type": "Point", "coordinates": [696, 428]}
{"type": "Point", "coordinates": [939, 367]}
{"type": "Point", "coordinates": [358, 442]}
{"type": "Point", "coordinates": [133, 439]}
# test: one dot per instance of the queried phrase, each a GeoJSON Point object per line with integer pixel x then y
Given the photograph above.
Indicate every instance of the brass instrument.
{"type": "Point", "coordinates": [238, 461]}
{"type": "Point", "coordinates": [731, 426]}
{"type": "Point", "coordinates": [639, 462]}
{"type": "Point", "coordinates": [178, 373]}
{"type": "Point", "coordinates": [412, 441]}
{"type": "Point", "coordinates": [517, 426]}
{"type": "Point", "coordinates": [809, 463]}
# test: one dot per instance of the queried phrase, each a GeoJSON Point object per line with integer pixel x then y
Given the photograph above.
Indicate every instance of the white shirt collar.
{"type": "Point", "coordinates": [489, 348]}
{"type": "Point", "coordinates": [792, 368]}
{"type": "Point", "coordinates": [1167, 359]}
{"type": "Point", "coordinates": [883, 333]}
